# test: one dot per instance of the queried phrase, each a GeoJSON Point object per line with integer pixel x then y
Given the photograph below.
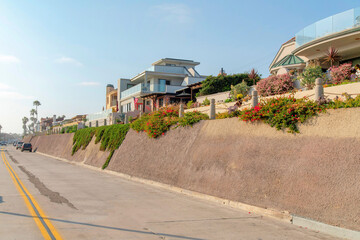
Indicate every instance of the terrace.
{"type": "Point", "coordinates": [328, 26]}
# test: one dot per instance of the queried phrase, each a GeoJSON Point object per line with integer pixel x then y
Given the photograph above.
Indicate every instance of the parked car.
{"type": "Point", "coordinates": [26, 146]}
{"type": "Point", "coordinates": [2, 143]}
{"type": "Point", "coordinates": [19, 144]}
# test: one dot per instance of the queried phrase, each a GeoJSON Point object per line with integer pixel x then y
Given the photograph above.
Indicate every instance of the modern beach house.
{"type": "Point", "coordinates": [340, 31]}
{"type": "Point", "coordinates": [157, 86]}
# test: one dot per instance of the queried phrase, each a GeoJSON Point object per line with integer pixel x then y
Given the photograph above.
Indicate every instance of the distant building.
{"type": "Point", "coordinates": [157, 86]}
{"type": "Point", "coordinates": [48, 122]}
{"type": "Point", "coordinates": [111, 98]}
{"type": "Point", "coordinates": [341, 31]}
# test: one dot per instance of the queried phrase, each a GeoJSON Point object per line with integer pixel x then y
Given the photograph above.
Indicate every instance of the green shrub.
{"type": "Point", "coordinates": [206, 102]}
{"type": "Point", "coordinates": [241, 88]}
{"type": "Point", "coordinates": [348, 102]}
{"type": "Point", "coordinates": [223, 83]}
{"type": "Point", "coordinates": [228, 100]}
{"type": "Point", "coordinates": [110, 137]}
{"type": "Point", "coordinates": [309, 75]}
{"type": "Point", "coordinates": [192, 117]}
{"type": "Point", "coordinates": [189, 104]}
{"type": "Point", "coordinates": [71, 129]}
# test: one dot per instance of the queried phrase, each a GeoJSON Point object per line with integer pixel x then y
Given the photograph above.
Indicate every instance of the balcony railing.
{"type": "Point", "coordinates": [327, 26]}
{"type": "Point", "coordinates": [141, 88]}
{"type": "Point", "coordinates": [167, 69]}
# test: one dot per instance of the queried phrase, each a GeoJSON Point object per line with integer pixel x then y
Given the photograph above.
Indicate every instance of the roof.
{"type": "Point", "coordinates": [289, 41]}
{"type": "Point", "coordinates": [176, 60]}
{"type": "Point", "coordinates": [288, 60]}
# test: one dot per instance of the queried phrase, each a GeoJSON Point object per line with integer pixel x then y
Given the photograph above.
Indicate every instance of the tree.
{"type": "Point", "coordinates": [0, 130]}
{"type": "Point", "coordinates": [332, 56]}
{"type": "Point", "coordinates": [33, 120]}
{"type": "Point", "coordinates": [36, 103]}
{"type": "Point", "coordinates": [254, 76]}
{"type": "Point", "coordinates": [25, 120]}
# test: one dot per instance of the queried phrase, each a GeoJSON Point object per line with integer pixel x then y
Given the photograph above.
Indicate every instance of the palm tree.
{"type": "Point", "coordinates": [36, 103]}
{"type": "Point", "coordinates": [254, 76]}
{"type": "Point", "coordinates": [25, 121]}
{"type": "Point", "coordinates": [0, 131]}
{"type": "Point", "coordinates": [332, 56]}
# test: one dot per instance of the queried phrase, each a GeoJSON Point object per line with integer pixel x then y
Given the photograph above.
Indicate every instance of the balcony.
{"type": "Point", "coordinates": [168, 69]}
{"type": "Point", "coordinates": [141, 89]}
{"type": "Point", "coordinates": [327, 26]}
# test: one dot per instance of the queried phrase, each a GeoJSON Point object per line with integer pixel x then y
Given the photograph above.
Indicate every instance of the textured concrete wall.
{"type": "Point", "coordinates": [314, 174]}
{"type": "Point", "coordinates": [60, 145]}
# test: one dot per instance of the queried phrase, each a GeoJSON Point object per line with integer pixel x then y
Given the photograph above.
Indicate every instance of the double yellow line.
{"type": "Point", "coordinates": [46, 228]}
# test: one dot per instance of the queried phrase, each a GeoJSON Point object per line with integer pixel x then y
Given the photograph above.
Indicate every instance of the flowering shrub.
{"type": "Point", "coordinates": [192, 117]}
{"type": "Point", "coordinates": [275, 84]}
{"type": "Point", "coordinates": [340, 73]}
{"type": "Point", "coordinates": [157, 123]}
{"type": "Point", "coordinates": [348, 102]}
{"type": "Point", "coordinates": [283, 112]}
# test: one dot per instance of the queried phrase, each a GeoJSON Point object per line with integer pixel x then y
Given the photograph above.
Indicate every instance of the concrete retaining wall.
{"type": "Point", "coordinates": [314, 174]}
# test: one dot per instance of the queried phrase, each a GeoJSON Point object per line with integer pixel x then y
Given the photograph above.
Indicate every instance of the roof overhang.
{"type": "Point", "coordinates": [176, 61]}
{"type": "Point", "coordinates": [291, 66]}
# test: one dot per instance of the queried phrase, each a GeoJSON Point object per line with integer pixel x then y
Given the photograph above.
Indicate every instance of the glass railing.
{"type": "Point", "coordinates": [336, 23]}
{"type": "Point", "coordinates": [99, 115]}
{"type": "Point", "coordinates": [131, 91]}
{"type": "Point", "coordinates": [149, 88]}
{"type": "Point", "coordinates": [167, 69]}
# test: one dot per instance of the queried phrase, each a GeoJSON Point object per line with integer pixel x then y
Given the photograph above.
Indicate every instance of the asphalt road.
{"type": "Point", "coordinates": [44, 198]}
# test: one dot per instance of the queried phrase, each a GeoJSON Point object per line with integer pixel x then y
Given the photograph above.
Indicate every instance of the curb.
{"type": "Point", "coordinates": [325, 228]}
{"type": "Point", "coordinates": [272, 213]}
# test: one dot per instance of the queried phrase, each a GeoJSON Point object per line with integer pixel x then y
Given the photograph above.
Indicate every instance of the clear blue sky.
{"type": "Point", "coordinates": [63, 53]}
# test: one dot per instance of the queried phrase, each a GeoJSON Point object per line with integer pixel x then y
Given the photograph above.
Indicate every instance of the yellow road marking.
{"type": "Point", "coordinates": [46, 228]}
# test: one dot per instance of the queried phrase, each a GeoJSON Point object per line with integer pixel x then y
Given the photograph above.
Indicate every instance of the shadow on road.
{"type": "Point", "coordinates": [105, 227]}
{"type": "Point", "coordinates": [1, 199]}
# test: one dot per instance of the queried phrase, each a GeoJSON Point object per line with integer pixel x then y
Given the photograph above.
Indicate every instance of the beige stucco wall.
{"type": "Point", "coordinates": [219, 97]}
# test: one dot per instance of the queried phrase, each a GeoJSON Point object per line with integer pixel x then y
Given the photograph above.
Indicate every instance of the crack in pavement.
{"type": "Point", "coordinates": [12, 158]}
{"type": "Point", "coordinates": [53, 196]}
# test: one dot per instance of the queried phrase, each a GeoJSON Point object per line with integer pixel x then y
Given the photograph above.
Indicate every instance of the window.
{"type": "Point", "coordinates": [148, 102]}
{"type": "Point", "coordinates": [129, 85]}
{"type": "Point", "coordinates": [167, 82]}
{"type": "Point", "coordinates": [128, 106]}
{"type": "Point", "coordinates": [169, 64]}
{"type": "Point", "coordinates": [161, 102]}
